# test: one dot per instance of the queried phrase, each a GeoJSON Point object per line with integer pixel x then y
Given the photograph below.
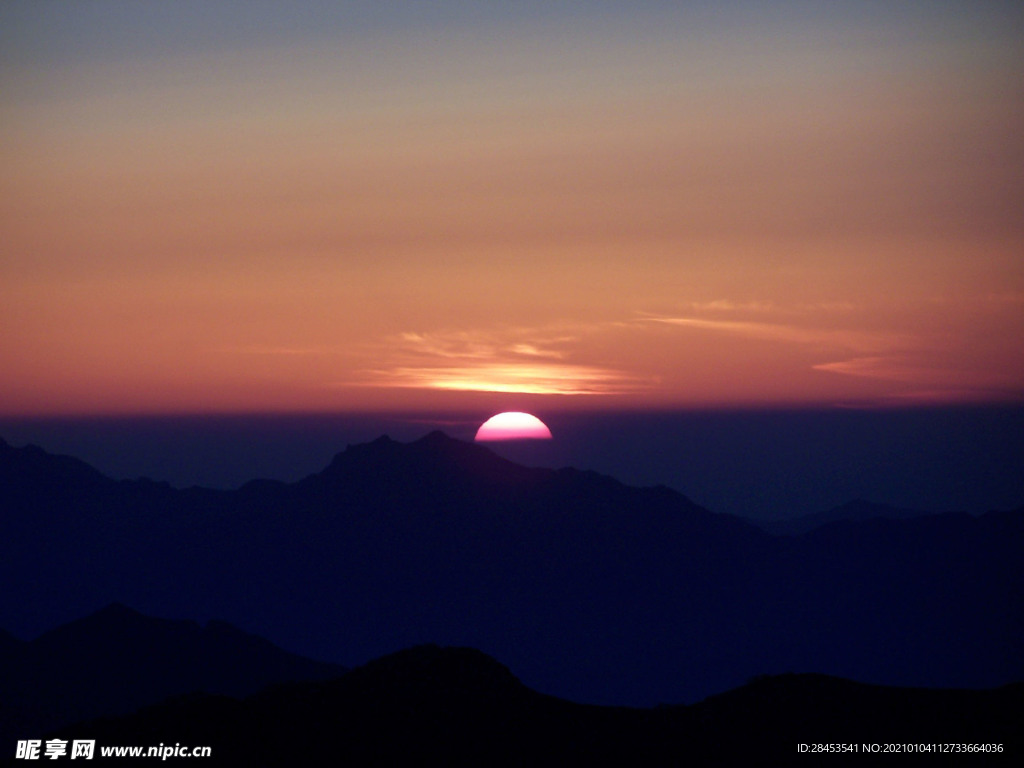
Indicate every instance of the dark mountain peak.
{"type": "Point", "coordinates": [116, 660]}
{"type": "Point", "coordinates": [430, 656]}
{"type": "Point", "coordinates": [434, 671]}
{"type": "Point", "coordinates": [382, 443]}
{"type": "Point", "coordinates": [433, 442]}
{"type": "Point", "coordinates": [116, 623]}
{"type": "Point", "coordinates": [436, 456]}
{"type": "Point", "coordinates": [357, 453]}
{"type": "Point", "coordinates": [439, 444]}
{"type": "Point", "coordinates": [30, 468]}
{"type": "Point", "coordinates": [382, 446]}
{"type": "Point", "coordinates": [146, 484]}
{"type": "Point", "coordinates": [437, 438]}
{"type": "Point", "coordinates": [118, 636]}
{"type": "Point", "coordinates": [117, 612]}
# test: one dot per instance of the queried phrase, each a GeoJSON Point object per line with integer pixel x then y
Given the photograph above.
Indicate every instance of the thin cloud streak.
{"type": "Point", "coordinates": [864, 341]}
{"type": "Point", "coordinates": [725, 305]}
{"type": "Point", "coordinates": [890, 368]}
{"type": "Point", "coordinates": [937, 378]}
{"type": "Point", "coordinates": [532, 351]}
{"type": "Point", "coordinates": [286, 351]}
{"type": "Point", "coordinates": [541, 379]}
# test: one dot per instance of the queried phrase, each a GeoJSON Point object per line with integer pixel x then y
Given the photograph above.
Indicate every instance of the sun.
{"type": "Point", "coordinates": [513, 425]}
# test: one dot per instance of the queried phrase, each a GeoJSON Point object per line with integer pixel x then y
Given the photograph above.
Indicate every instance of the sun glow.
{"type": "Point", "coordinates": [513, 425]}
{"type": "Point", "coordinates": [536, 379]}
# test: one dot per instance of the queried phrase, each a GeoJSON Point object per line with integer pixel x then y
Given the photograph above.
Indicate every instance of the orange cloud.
{"type": "Point", "coordinates": [493, 361]}
{"type": "Point", "coordinates": [542, 379]}
{"type": "Point", "coordinates": [852, 339]}
{"type": "Point", "coordinates": [891, 368]}
{"type": "Point", "coordinates": [937, 378]}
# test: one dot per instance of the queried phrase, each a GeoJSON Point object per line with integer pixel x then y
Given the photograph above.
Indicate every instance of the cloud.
{"type": "Point", "coordinates": [540, 379]}
{"type": "Point", "coordinates": [522, 360]}
{"type": "Point", "coordinates": [255, 349]}
{"type": "Point", "coordinates": [865, 341]}
{"type": "Point", "coordinates": [456, 345]}
{"type": "Point", "coordinates": [907, 359]}
{"type": "Point", "coordinates": [725, 305]}
{"type": "Point", "coordinates": [532, 351]}
{"type": "Point", "coordinates": [924, 380]}
{"type": "Point", "coordinates": [890, 368]}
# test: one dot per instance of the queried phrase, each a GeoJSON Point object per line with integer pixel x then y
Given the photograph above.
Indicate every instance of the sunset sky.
{"type": "Point", "coordinates": [344, 206]}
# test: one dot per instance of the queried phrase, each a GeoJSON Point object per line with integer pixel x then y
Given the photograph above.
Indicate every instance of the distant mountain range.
{"type": "Point", "coordinates": [856, 511]}
{"type": "Point", "coordinates": [589, 589]}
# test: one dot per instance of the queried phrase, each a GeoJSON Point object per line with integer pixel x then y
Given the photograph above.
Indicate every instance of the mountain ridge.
{"type": "Point", "coordinates": [857, 511]}
{"type": "Point", "coordinates": [458, 706]}
{"type": "Point", "coordinates": [116, 659]}
{"type": "Point", "coordinates": [589, 588]}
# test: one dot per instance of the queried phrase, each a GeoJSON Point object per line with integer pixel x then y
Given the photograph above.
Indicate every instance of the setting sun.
{"type": "Point", "coordinates": [513, 425]}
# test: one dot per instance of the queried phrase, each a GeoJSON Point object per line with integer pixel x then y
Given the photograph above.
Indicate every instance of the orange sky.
{"type": "Point", "coordinates": [648, 208]}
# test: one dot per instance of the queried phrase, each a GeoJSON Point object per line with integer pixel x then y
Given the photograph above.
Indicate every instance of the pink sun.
{"type": "Point", "coordinates": [513, 425]}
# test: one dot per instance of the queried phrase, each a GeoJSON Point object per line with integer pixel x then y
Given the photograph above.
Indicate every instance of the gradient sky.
{"type": "Point", "coordinates": [227, 206]}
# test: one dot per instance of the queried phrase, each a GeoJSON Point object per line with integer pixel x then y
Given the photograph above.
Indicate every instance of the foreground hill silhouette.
{"type": "Point", "coordinates": [457, 706]}
{"type": "Point", "coordinates": [117, 660]}
{"type": "Point", "coordinates": [587, 588]}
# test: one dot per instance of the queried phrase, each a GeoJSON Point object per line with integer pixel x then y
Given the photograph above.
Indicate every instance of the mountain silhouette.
{"type": "Point", "coordinates": [857, 510]}
{"type": "Point", "coordinates": [117, 660]}
{"type": "Point", "coordinates": [587, 588]}
{"type": "Point", "coordinates": [457, 706]}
